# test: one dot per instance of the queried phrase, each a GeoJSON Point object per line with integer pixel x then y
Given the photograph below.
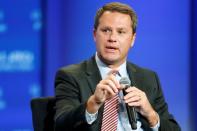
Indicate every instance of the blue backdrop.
{"type": "Point", "coordinates": [20, 62]}
{"type": "Point", "coordinates": [37, 38]}
{"type": "Point", "coordinates": [193, 56]}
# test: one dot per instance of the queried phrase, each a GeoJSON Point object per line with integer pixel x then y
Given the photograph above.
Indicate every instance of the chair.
{"type": "Point", "coordinates": [43, 113]}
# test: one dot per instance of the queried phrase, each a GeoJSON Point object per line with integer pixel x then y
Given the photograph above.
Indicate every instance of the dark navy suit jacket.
{"type": "Point", "coordinates": [76, 83]}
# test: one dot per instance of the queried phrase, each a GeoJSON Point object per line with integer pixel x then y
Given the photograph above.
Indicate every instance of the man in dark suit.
{"type": "Point", "coordinates": [89, 96]}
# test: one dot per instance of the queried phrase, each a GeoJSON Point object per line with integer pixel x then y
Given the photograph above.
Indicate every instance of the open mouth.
{"type": "Point", "coordinates": [111, 49]}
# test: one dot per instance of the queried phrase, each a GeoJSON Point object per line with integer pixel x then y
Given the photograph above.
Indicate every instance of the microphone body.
{"type": "Point", "coordinates": [132, 114]}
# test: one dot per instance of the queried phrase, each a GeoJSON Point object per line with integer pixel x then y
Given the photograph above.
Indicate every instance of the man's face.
{"type": "Point", "coordinates": [114, 37]}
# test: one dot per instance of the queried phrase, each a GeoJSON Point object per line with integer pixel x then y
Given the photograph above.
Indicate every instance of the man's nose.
{"type": "Point", "coordinates": [112, 37]}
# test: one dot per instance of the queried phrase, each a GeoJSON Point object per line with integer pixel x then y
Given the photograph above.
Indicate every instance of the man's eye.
{"type": "Point", "coordinates": [121, 32]}
{"type": "Point", "coordinates": [106, 30]}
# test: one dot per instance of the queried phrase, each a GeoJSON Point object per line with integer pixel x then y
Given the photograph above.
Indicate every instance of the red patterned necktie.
{"type": "Point", "coordinates": [110, 115]}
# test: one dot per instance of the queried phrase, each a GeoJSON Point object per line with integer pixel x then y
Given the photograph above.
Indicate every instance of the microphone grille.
{"type": "Point", "coordinates": [125, 81]}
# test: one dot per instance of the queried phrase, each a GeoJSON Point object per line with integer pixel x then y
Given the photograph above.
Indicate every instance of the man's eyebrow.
{"type": "Point", "coordinates": [106, 27]}
{"type": "Point", "coordinates": [122, 28]}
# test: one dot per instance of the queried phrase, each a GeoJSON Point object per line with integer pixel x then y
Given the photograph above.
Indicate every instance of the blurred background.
{"type": "Point", "coordinates": [38, 37]}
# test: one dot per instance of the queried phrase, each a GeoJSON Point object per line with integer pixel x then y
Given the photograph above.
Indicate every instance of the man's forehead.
{"type": "Point", "coordinates": [115, 17]}
{"type": "Point", "coordinates": [118, 21]}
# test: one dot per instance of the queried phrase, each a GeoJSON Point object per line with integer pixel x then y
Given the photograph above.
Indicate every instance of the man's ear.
{"type": "Point", "coordinates": [133, 39]}
{"type": "Point", "coordinates": [94, 34]}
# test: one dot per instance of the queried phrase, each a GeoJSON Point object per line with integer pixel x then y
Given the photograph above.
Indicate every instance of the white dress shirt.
{"type": "Point", "coordinates": [123, 121]}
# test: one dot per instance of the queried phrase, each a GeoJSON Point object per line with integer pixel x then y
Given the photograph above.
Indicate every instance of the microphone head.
{"type": "Point", "coordinates": [125, 81]}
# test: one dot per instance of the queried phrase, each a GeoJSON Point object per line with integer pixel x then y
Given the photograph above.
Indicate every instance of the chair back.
{"type": "Point", "coordinates": [43, 113]}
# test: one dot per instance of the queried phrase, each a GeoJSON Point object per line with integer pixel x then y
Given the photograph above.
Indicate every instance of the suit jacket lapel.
{"type": "Point", "coordinates": [135, 76]}
{"type": "Point", "coordinates": [132, 74]}
{"type": "Point", "coordinates": [93, 74]}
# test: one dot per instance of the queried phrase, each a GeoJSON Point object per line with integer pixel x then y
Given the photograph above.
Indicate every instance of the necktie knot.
{"type": "Point", "coordinates": [113, 71]}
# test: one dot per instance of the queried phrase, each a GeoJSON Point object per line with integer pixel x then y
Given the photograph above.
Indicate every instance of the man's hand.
{"type": "Point", "coordinates": [138, 99]}
{"type": "Point", "coordinates": [105, 89]}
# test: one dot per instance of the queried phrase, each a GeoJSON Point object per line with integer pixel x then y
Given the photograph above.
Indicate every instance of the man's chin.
{"type": "Point", "coordinates": [110, 58]}
{"type": "Point", "coordinates": [111, 61]}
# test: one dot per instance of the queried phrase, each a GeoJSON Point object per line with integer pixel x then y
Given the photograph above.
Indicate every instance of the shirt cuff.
{"type": "Point", "coordinates": [156, 127]}
{"type": "Point", "coordinates": [90, 118]}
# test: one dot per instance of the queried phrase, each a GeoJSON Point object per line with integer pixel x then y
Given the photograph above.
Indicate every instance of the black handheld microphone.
{"type": "Point", "coordinates": [132, 114]}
